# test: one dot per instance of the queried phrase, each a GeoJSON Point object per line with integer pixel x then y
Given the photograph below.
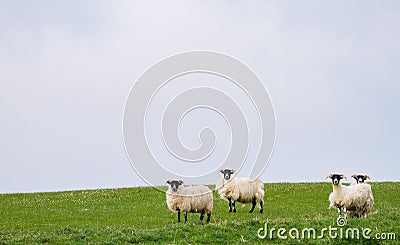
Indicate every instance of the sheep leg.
{"type": "Point", "coordinates": [202, 215]}
{"type": "Point", "coordinates": [185, 215]}
{"type": "Point", "coordinates": [253, 202]}
{"type": "Point", "coordinates": [234, 208]}
{"type": "Point", "coordinates": [230, 204]}
{"type": "Point", "coordinates": [179, 215]}
{"type": "Point", "coordinates": [208, 217]}
{"type": "Point", "coordinates": [261, 207]}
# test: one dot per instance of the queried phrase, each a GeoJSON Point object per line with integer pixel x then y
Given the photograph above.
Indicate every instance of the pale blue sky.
{"type": "Point", "coordinates": [332, 71]}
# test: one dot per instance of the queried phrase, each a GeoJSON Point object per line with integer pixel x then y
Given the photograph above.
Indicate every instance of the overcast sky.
{"type": "Point", "coordinates": [66, 69]}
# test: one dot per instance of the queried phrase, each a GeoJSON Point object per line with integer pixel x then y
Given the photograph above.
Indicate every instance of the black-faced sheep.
{"type": "Point", "coordinates": [338, 193]}
{"type": "Point", "coordinates": [356, 200]}
{"type": "Point", "coordinates": [243, 190]}
{"type": "Point", "coordinates": [190, 199]}
{"type": "Point", "coordinates": [360, 178]}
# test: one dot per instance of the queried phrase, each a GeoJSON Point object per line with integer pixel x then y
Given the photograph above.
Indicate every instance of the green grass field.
{"type": "Point", "coordinates": [140, 216]}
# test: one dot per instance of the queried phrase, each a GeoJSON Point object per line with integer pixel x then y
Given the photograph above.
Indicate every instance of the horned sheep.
{"type": "Point", "coordinates": [355, 201]}
{"type": "Point", "coordinates": [359, 178]}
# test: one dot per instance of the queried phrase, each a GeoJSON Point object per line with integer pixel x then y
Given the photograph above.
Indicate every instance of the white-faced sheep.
{"type": "Point", "coordinates": [190, 199]}
{"type": "Point", "coordinates": [356, 201]}
{"type": "Point", "coordinates": [243, 190]}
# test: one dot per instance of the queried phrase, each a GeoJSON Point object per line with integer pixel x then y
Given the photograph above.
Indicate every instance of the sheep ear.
{"type": "Point", "coordinates": [181, 182]}
{"type": "Point", "coordinates": [168, 182]}
{"type": "Point", "coordinates": [367, 177]}
{"type": "Point", "coordinates": [221, 171]}
{"type": "Point", "coordinates": [232, 171]}
{"type": "Point", "coordinates": [329, 176]}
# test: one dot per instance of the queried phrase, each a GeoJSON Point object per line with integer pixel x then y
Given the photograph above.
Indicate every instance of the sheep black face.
{"type": "Point", "coordinates": [336, 178]}
{"type": "Point", "coordinates": [360, 178]}
{"type": "Point", "coordinates": [227, 173]}
{"type": "Point", "coordinates": [175, 184]}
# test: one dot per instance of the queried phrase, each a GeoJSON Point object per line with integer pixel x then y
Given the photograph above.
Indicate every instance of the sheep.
{"type": "Point", "coordinates": [356, 201]}
{"type": "Point", "coordinates": [191, 199]}
{"type": "Point", "coordinates": [339, 190]}
{"type": "Point", "coordinates": [360, 178]}
{"type": "Point", "coordinates": [243, 190]}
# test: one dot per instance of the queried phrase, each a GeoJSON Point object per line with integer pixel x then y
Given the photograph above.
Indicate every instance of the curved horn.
{"type": "Point", "coordinates": [343, 177]}
{"type": "Point", "coordinates": [367, 177]}
{"type": "Point", "coordinates": [329, 176]}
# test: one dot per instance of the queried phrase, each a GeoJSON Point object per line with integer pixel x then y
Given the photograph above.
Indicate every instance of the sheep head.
{"type": "Point", "coordinates": [336, 178]}
{"type": "Point", "coordinates": [174, 184]}
{"type": "Point", "coordinates": [360, 178]}
{"type": "Point", "coordinates": [227, 173]}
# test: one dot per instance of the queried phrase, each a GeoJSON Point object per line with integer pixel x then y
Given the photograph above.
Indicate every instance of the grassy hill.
{"type": "Point", "coordinates": [140, 216]}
